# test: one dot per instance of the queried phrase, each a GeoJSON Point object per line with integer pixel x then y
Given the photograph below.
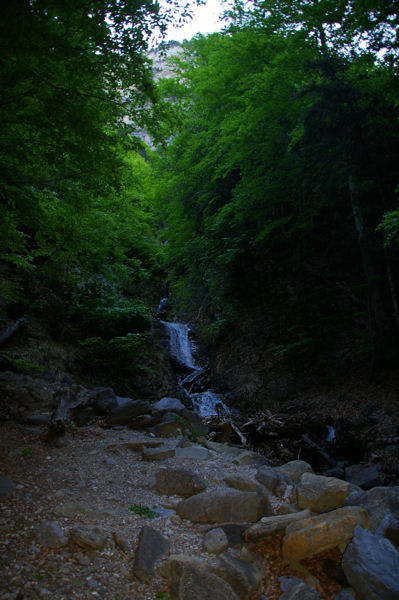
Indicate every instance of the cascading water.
{"type": "Point", "coordinates": [207, 403]}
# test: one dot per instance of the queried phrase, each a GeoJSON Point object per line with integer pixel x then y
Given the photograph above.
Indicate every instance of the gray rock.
{"type": "Point", "coordinates": [217, 506]}
{"type": "Point", "coordinates": [364, 476]}
{"type": "Point", "coordinates": [247, 458]}
{"type": "Point", "coordinates": [234, 532]}
{"type": "Point", "coordinates": [126, 410]}
{"type": "Point", "coordinates": [103, 400]}
{"type": "Point", "coordinates": [159, 453]}
{"type": "Point", "coordinates": [273, 480]}
{"type": "Point", "coordinates": [141, 422]}
{"type": "Point", "coordinates": [120, 541]}
{"type": "Point", "coordinates": [378, 502]}
{"type": "Point", "coordinates": [321, 494]}
{"type": "Point", "coordinates": [7, 487]}
{"type": "Point", "coordinates": [182, 482]}
{"type": "Point", "coordinates": [241, 482]}
{"type": "Point", "coordinates": [168, 429]}
{"type": "Point", "coordinates": [167, 405]}
{"type": "Point", "coordinates": [192, 452]}
{"type": "Point", "coordinates": [196, 424]}
{"type": "Point", "coordinates": [269, 526]}
{"type": "Point", "coordinates": [88, 538]}
{"type": "Point", "coordinates": [215, 541]}
{"type": "Point", "coordinates": [345, 594]}
{"type": "Point", "coordinates": [243, 577]}
{"type": "Point", "coordinates": [294, 588]}
{"type": "Point", "coordinates": [295, 469]}
{"type": "Point", "coordinates": [389, 528]}
{"type": "Point", "coordinates": [51, 535]}
{"type": "Point", "coordinates": [151, 546]}
{"type": "Point", "coordinates": [371, 565]}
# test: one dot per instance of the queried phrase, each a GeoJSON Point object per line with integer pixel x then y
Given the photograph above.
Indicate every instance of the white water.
{"type": "Point", "coordinates": [206, 404]}
{"type": "Point", "coordinates": [331, 435]}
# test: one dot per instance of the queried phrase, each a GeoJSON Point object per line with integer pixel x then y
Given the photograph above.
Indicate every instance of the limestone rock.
{"type": "Point", "coordinates": [191, 579]}
{"type": "Point", "coordinates": [321, 494]}
{"type": "Point", "coordinates": [378, 502]}
{"type": "Point", "coordinates": [243, 577]}
{"type": "Point", "coordinates": [159, 453]}
{"type": "Point", "coordinates": [371, 565]}
{"type": "Point", "coordinates": [219, 506]}
{"type": "Point", "coordinates": [295, 469]}
{"type": "Point", "coordinates": [7, 487]}
{"type": "Point", "coordinates": [215, 541]}
{"type": "Point", "coordinates": [269, 526]}
{"type": "Point", "coordinates": [89, 538]}
{"type": "Point", "coordinates": [294, 588]}
{"type": "Point", "coordinates": [310, 536]}
{"type": "Point", "coordinates": [240, 482]}
{"type": "Point", "coordinates": [182, 482]}
{"type": "Point", "coordinates": [51, 535]}
{"type": "Point", "coordinates": [151, 546]}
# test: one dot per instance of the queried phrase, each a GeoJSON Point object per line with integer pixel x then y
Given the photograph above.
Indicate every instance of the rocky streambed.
{"type": "Point", "coordinates": [116, 512]}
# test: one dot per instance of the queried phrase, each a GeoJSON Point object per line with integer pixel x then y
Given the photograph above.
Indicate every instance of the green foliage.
{"type": "Point", "coordinates": [21, 365]}
{"type": "Point", "coordinates": [27, 452]}
{"type": "Point", "coordinates": [144, 511]}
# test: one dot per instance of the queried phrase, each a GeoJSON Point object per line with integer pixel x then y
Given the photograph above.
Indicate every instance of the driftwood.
{"type": "Point", "coordinates": [239, 434]}
{"type": "Point", "coordinates": [69, 398]}
{"type": "Point", "coordinates": [9, 331]}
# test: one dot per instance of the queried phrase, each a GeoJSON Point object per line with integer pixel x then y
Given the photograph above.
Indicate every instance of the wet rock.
{"type": "Point", "coordinates": [378, 502]}
{"type": "Point", "coordinates": [217, 506]}
{"type": "Point", "coordinates": [321, 494]}
{"type": "Point", "coordinates": [273, 480]}
{"type": "Point", "coordinates": [240, 482]}
{"type": "Point", "coordinates": [308, 537]}
{"type": "Point", "coordinates": [151, 546]}
{"type": "Point", "coordinates": [191, 579]}
{"type": "Point", "coordinates": [295, 469]}
{"type": "Point", "coordinates": [7, 487]}
{"type": "Point", "coordinates": [294, 588]}
{"type": "Point", "coordinates": [364, 476]}
{"type": "Point", "coordinates": [371, 565]}
{"type": "Point", "coordinates": [51, 535]}
{"type": "Point", "coordinates": [243, 577]}
{"type": "Point", "coordinates": [88, 538]}
{"type": "Point", "coordinates": [270, 526]}
{"type": "Point", "coordinates": [215, 541]}
{"type": "Point", "coordinates": [182, 482]}
{"type": "Point", "coordinates": [159, 453]}
{"type": "Point", "coordinates": [127, 410]}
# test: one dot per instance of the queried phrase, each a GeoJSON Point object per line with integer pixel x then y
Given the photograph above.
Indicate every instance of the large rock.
{"type": "Point", "coordinates": [7, 487]}
{"type": "Point", "coordinates": [378, 502]}
{"type": "Point", "coordinates": [51, 535]}
{"type": "Point", "coordinates": [310, 536]}
{"type": "Point", "coordinates": [182, 482]}
{"type": "Point", "coordinates": [270, 526]}
{"type": "Point", "coordinates": [273, 480]}
{"type": "Point", "coordinates": [225, 505]}
{"type": "Point", "coordinates": [215, 541]}
{"type": "Point", "coordinates": [241, 482]}
{"type": "Point", "coordinates": [294, 588]}
{"type": "Point", "coordinates": [126, 410]}
{"type": "Point", "coordinates": [321, 494]}
{"type": "Point", "coordinates": [371, 565]}
{"type": "Point", "coordinates": [192, 579]}
{"type": "Point", "coordinates": [168, 429]}
{"type": "Point", "coordinates": [295, 469]}
{"type": "Point", "coordinates": [389, 528]}
{"type": "Point", "coordinates": [103, 400]}
{"type": "Point", "coordinates": [364, 476]}
{"type": "Point", "coordinates": [151, 546]}
{"type": "Point", "coordinates": [167, 405]}
{"type": "Point", "coordinates": [243, 577]}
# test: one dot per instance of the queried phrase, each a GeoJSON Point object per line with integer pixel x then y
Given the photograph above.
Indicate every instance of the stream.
{"type": "Point", "coordinates": [206, 403]}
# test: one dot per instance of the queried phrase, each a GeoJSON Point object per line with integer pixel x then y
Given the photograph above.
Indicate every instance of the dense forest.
{"type": "Point", "coordinates": [265, 208]}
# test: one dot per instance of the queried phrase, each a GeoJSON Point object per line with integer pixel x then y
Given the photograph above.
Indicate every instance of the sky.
{"type": "Point", "coordinates": [205, 20]}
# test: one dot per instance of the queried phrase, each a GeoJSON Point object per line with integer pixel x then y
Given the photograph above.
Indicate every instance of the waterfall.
{"type": "Point", "coordinates": [207, 403]}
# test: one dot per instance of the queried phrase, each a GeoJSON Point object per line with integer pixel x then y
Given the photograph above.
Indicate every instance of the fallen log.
{"type": "Point", "coordinates": [68, 398]}
{"type": "Point", "coordinates": [319, 449]}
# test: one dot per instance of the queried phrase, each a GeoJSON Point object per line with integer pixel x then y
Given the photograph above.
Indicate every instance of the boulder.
{"type": "Point", "coordinates": [241, 482]}
{"type": "Point", "coordinates": [345, 594]}
{"type": "Point", "coordinates": [321, 494]}
{"type": "Point", "coordinates": [215, 541]}
{"type": "Point", "coordinates": [378, 502]}
{"type": "Point", "coordinates": [192, 579]}
{"type": "Point", "coordinates": [295, 469]}
{"type": "Point", "coordinates": [182, 482]}
{"type": "Point", "coordinates": [141, 422]}
{"type": "Point", "coordinates": [168, 429]}
{"type": "Point", "coordinates": [273, 480]}
{"type": "Point", "coordinates": [364, 476]}
{"type": "Point", "coordinates": [51, 535]}
{"type": "Point", "coordinates": [243, 577]}
{"type": "Point", "coordinates": [310, 536]}
{"type": "Point", "coordinates": [371, 565]}
{"type": "Point", "coordinates": [217, 506]}
{"type": "Point", "coordinates": [269, 526]}
{"type": "Point", "coordinates": [167, 405]}
{"type": "Point", "coordinates": [389, 528]}
{"type": "Point", "coordinates": [126, 410]}
{"type": "Point", "coordinates": [151, 546]}
{"type": "Point", "coordinates": [294, 588]}
{"type": "Point", "coordinates": [7, 487]}
{"type": "Point", "coordinates": [102, 400]}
